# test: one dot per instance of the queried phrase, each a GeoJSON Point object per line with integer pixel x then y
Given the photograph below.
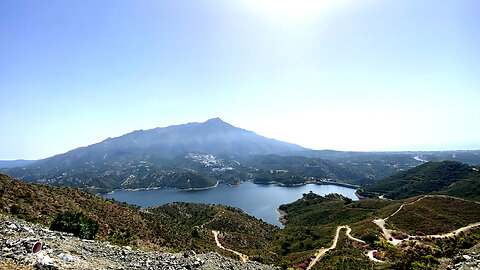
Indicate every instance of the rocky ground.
{"type": "Point", "coordinates": [468, 259]}
{"type": "Point", "coordinates": [64, 251]}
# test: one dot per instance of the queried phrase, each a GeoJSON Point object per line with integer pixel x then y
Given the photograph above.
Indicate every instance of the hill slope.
{"type": "Point", "coordinates": [447, 177]}
{"type": "Point", "coordinates": [67, 252]}
{"type": "Point", "coordinates": [176, 226]}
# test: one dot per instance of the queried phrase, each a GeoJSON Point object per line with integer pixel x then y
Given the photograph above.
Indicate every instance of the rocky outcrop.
{"type": "Point", "coordinates": [468, 259]}
{"type": "Point", "coordinates": [58, 250]}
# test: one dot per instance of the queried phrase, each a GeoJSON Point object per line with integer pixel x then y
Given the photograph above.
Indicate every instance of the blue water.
{"type": "Point", "coordinates": [260, 201]}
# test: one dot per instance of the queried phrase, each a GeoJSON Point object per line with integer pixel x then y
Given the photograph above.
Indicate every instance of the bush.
{"type": "Point", "coordinates": [76, 223]}
{"type": "Point", "coordinates": [370, 238]}
{"type": "Point", "coordinates": [15, 209]}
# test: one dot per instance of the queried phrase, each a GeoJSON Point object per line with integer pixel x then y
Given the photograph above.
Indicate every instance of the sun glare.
{"type": "Point", "coordinates": [292, 9]}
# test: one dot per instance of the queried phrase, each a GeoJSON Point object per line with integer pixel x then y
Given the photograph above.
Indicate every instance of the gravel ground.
{"type": "Point", "coordinates": [64, 251]}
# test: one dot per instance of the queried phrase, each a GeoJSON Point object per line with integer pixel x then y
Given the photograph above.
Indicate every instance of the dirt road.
{"type": "Point", "coordinates": [387, 232]}
{"type": "Point", "coordinates": [242, 256]}
{"type": "Point", "coordinates": [321, 252]}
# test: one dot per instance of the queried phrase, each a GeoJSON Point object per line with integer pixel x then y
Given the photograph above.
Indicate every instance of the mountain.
{"type": "Point", "coordinates": [15, 163]}
{"type": "Point", "coordinates": [446, 177]}
{"type": "Point", "coordinates": [193, 155]}
{"type": "Point", "coordinates": [213, 137]}
{"type": "Point", "coordinates": [402, 159]}
{"type": "Point", "coordinates": [198, 155]}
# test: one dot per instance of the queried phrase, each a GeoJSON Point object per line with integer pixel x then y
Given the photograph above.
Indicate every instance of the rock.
{"type": "Point", "coordinates": [88, 241]}
{"type": "Point", "coordinates": [66, 257]}
{"type": "Point", "coordinates": [466, 257]}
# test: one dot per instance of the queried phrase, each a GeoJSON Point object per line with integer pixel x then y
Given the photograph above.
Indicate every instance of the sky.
{"type": "Point", "coordinates": [364, 75]}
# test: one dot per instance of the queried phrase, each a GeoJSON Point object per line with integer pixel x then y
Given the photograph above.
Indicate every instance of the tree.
{"type": "Point", "coordinates": [76, 223]}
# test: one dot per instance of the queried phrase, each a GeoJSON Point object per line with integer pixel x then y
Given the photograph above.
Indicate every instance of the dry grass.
{"type": "Point", "coordinates": [10, 265]}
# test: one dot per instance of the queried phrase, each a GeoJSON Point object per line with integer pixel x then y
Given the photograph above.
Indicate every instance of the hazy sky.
{"type": "Point", "coordinates": [325, 74]}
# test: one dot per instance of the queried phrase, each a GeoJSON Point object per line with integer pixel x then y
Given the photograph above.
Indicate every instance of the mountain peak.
{"type": "Point", "coordinates": [215, 120]}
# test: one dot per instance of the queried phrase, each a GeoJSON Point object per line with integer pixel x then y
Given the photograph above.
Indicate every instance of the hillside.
{"type": "Point", "coordinates": [294, 170]}
{"type": "Point", "coordinates": [310, 224]}
{"type": "Point", "coordinates": [331, 210]}
{"type": "Point", "coordinates": [63, 251]}
{"type": "Point", "coordinates": [403, 159]}
{"type": "Point", "coordinates": [176, 226]}
{"type": "Point", "coordinates": [447, 177]}
{"type": "Point", "coordinates": [40, 204]}
{"type": "Point", "coordinates": [193, 170]}
{"type": "Point", "coordinates": [435, 215]}
{"type": "Point", "coordinates": [425, 215]}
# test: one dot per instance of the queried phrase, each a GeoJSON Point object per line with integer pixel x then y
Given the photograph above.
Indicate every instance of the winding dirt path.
{"type": "Point", "coordinates": [387, 232]}
{"type": "Point", "coordinates": [372, 258]}
{"type": "Point", "coordinates": [242, 256]}
{"type": "Point", "coordinates": [349, 230]}
{"type": "Point", "coordinates": [321, 252]}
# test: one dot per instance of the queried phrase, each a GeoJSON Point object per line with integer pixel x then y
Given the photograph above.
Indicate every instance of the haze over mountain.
{"type": "Point", "coordinates": [182, 156]}
{"type": "Point", "coordinates": [213, 137]}
{"type": "Point", "coordinates": [15, 163]}
{"type": "Point", "coordinates": [198, 155]}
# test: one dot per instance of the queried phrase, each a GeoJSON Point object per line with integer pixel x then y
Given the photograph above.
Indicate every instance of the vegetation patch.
{"type": "Point", "coordinates": [76, 223]}
{"type": "Point", "coordinates": [447, 177]}
{"type": "Point", "coordinates": [347, 255]}
{"type": "Point", "coordinates": [434, 215]}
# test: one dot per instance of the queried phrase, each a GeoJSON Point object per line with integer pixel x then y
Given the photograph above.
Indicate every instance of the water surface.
{"type": "Point", "coordinates": [260, 201]}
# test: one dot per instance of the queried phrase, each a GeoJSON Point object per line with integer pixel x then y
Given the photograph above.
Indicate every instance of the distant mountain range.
{"type": "Point", "coordinates": [213, 137]}
{"type": "Point", "coordinates": [175, 156]}
{"type": "Point", "coordinates": [198, 155]}
{"type": "Point", "coordinates": [15, 163]}
{"type": "Point", "coordinates": [446, 177]}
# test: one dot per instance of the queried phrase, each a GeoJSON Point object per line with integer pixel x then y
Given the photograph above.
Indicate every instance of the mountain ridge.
{"type": "Point", "coordinates": [213, 136]}
{"type": "Point", "coordinates": [446, 177]}
{"type": "Point", "coordinates": [161, 157]}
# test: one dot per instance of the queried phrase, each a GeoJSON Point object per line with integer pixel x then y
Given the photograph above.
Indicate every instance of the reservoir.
{"type": "Point", "coordinates": [260, 201]}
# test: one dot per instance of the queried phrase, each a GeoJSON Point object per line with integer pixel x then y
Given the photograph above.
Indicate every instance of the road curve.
{"type": "Point", "coordinates": [387, 232]}
{"type": "Point", "coordinates": [242, 256]}
{"type": "Point", "coordinates": [321, 252]}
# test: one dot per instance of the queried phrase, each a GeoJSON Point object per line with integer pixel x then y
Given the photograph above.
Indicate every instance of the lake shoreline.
{"type": "Point", "coordinates": [155, 188]}
{"type": "Point", "coordinates": [318, 182]}
{"type": "Point", "coordinates": [281, 218]}
{"type": "Point", "coordinates": [260, 201]}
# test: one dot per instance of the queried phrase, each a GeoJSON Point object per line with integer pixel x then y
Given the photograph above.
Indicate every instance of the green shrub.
{"type": "Point", "coordinates": [370, 238]}
{"type": "Point", "coordinates": [76, 223]}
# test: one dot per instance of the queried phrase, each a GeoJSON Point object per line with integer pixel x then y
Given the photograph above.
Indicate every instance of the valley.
{"type": "Point", "coordinates": [211, 187]}
{"type": "Point", "coordinates": [198, 155]}
{"type": "Point", "coordinates": [240, 135]}
{"type": "Point", "coordinates": [258, 200]}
